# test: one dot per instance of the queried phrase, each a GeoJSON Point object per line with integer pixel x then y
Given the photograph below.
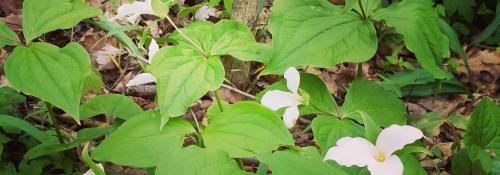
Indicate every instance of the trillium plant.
{"type": "Point", "coordinates": [276, 99]}
{"type": "Point", "coordinates": [379, 158]}
{"type": "Point", "coordinates": [349, 125]}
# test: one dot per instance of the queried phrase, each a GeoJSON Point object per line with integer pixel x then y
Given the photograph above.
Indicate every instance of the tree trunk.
{"type": "Point", "coordinates": [239, 72]}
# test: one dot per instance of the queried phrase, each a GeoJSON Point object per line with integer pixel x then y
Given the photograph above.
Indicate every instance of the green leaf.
{"type": "Point", "coordinates": [246, 128]}
{"type": "Point", "coordinates": [185, 11]}
{"type": "Point", "coordinates": [53, 74]}
{"type": "Point", "coordinates": [366, 96]}
{"type": "Point", "coordinates": [328, 130]}
{"type": "Point", "coordinates": [458, 121]}
{"type": "Point", "coordinates": [184, 76]}
{"type": "Point", "coordinates": [7, 36]}
{"type": "Point", "coordinates": [291, 162]}
{"type": "Point", "coordinates": [320, 102]}
{"type": "Point", "coordinates": [115, 105]}
{"type": "Point", "coordinates": [372, 130]}
{"type": "Point", "coordinates": [83, 136]}
{"type": "Point", "coordinates": [484, 126]}
{"type": "Point", "coordinates": [194, 160]}
{"type": "Point", "coordinates": [302, 37]}
{"type": "Point", "coordinates": [42, 16]}
{"type": "Point", "coordinates": [86, 158]}
{"type": "Point", "coordinates": [93, 82]}
{"type": "Point", "coordinates": [419, 83]}
{"type": "Point", "coordinates": [9, 121]}
{"type": "Point", "coordinates": [140, 143]}
{"type": "Point", "coordinates": [490, 29]}
{"type": "Point", "coordinates": [412, 165]}
{"type": "Point", "coordinates": [430, 124]}
{"type": "Point", "coordinates": [160, 8]}
{"type": "Point", "coordinates": [464, 8]}
{"type": "Point", "coordinates": [460, 163]}
{"type": "Point", "coordinates": [9, 96]}
{"type": "Point", "coordinates": [455, 43]}
{"type": "Point", "coordinates": [227, 37]}
{"type": "Point", "coordinates": [369, 6]}
{"type": "Point", "coordinates": [418, 23]}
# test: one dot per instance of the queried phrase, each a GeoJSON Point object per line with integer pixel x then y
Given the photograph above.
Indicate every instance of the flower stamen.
{"type": "Point", "coordinates": [380, 156]}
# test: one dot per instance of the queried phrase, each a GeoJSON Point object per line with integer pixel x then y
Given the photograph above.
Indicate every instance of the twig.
{"type": "Point", "coordinates": [196, 121]}
{"type": "Point", "coordinates": [239, 91]}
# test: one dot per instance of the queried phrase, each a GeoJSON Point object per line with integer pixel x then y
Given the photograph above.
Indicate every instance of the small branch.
{"type": "Point", "coordinates": [186, 37]}
{"type": "Point", "coordinates": [218, 99]}
{"type": "Point", "coordinates": [54, 122]}
{"type": "Point", "coordinates": [239, 91]}
{"type": "Point", "coordinates": [196, 121]}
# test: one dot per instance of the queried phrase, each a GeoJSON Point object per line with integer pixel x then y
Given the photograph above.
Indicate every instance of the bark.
{"type": "Point", "coordinates": [239, 72]}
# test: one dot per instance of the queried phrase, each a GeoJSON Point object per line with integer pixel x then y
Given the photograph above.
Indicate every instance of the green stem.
{"type": "Point", "coordinates": [185, 36]}
{"type": "Point", "coordinates": [359, 73]}
{"type": "Point", "coordinates": [54, 122]}
{"type": "Point", "coordinates": [219, 102]}
{"type": "Point", "coordinates": [362, 9]}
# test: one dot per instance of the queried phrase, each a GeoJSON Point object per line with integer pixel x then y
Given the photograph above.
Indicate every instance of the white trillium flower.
{"type": "Point", "coordinates": [103, 56]}
{"type": "Point", "coordinates": [276, 99]}
{"type": "Point", "coordinates": [204, 12]}
{"type": "Point", "coordinates": [132, 11]}
{"type": "Point", "coordinates": [379, 157]}
{"type": "Point", "coordinates": [90, 172]}
{"type": "Point", "coordinates": [145, 78]}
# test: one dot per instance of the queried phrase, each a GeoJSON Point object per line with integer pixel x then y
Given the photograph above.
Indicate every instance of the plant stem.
{"type": "Point", "coordinates": [185, 36]}
{"type": "Point", "coordinates": [362, 9]}
{"type": "Point", "coordinates": [54, 122]}
{"type": "Point", "coordinates": [219, 102]}
{"type": "Point", "coordinates": [359, 73]}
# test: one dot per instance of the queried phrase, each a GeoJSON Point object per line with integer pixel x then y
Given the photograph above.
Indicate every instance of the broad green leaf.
{"type": "Point", "coordinates": [160, 8]}
{"type": "Point", "coordinates": [194, 160]}
{"type": "Point", "coordinates": [464, 8]}
{"type": "Point", "coordinates": [418, 83]}
{"type": "Point", "coordinates": [42, 16]}
{"type": "Point", "coordinates": [7, 36]}
{"type": "Point", "coordinates": [372, 130]}
{"type": "Point", "coordinates": [302, 37]}
{"type": "Point", "coordinates": [418, 23]}
{"type": "Point", "coordinates": [53, 74]}
{"type": "Point", "coordinates": [496, 169]}
{"type": "Point", "coordinates": [185, 10]}
{"type": "Point", "coordinates": [481, 161]}
{"type": "Point", "coordinates": [9, 121]}
{"type": "Point", "coordinates": [226, 37]}
{"type": "Point", "coordinates": [246, 128]}
{"type": "Point", "coordinates": [291, 162]}
{"type": "Point", "coordinates": [412, 165]}
{"type": "Point", "coordinates": [321, 100]}
{"type": "Point", "coordinates": [369, 6]}
{"type": "Point", "coordinates": [430, 123]}
{"type": "Point", "coordinates": [184, 76]}
{"type": "Point", "coordinates": [9, 96]}
{"type": "Point", "coordinates": [93, 82]}
{"type": "Point", "coordinates": [484, 126]}
{"type": "Point", "coordinates": [140, 143]}
{"type": "Point", "coordinates": [115, 105]}
{"type": "Point", "coordinates": [455, 43]}
{"type": "Point", "coordinates": [366, 96]}
{"type": "Point", "coordinates": [458, 121]}
{"type": "Point", "coordinates": [328, 130]}
{"type": "Point", "coordinates": [7, 168]}
{"type": "Point", "coordinates": [83, 136]}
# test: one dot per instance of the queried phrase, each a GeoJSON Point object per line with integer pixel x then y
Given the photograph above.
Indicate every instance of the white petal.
{"type": "Point", "coordinates": [141, 79]}
{"type": "Point", "coordinates": [395, 137]}
{"type": "Point", "coordinates": [290, 116]}
{"type": "Point", "coordinates": [391, 166]}
{"type": "Point", "coordinates": [292, 77]}
{"type": "Point", "coordinates": [275, 99]}
{"type": "Point", "coordinates": [352, 151]}
{"type": "Point", "coordinates": [134, 10]}
{"type": "Point", "coordinates": [90, 172]}
{"type": "Point", "coordinates": [153, 48]}
{"type": "Point", "coordinates": [204, 13]}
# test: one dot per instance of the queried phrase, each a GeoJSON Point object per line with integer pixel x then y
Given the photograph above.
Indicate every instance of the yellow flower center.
{"type": "Point", "coordinates": [380, 156]}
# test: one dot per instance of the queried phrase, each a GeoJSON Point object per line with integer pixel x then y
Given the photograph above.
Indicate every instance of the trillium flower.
{"type": "Point", "coordinates": [132, 11]}
{"type": "Point", "coordinates": [276, 99]}
{"type": "Point", "coordinates": [204, 12]}
{"type": "Point", "coordinates": [145, 78]}
{"type": "Point", "coordinates": [90, 172]}
{"type": "Point", "coordinates": [379, 157]}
